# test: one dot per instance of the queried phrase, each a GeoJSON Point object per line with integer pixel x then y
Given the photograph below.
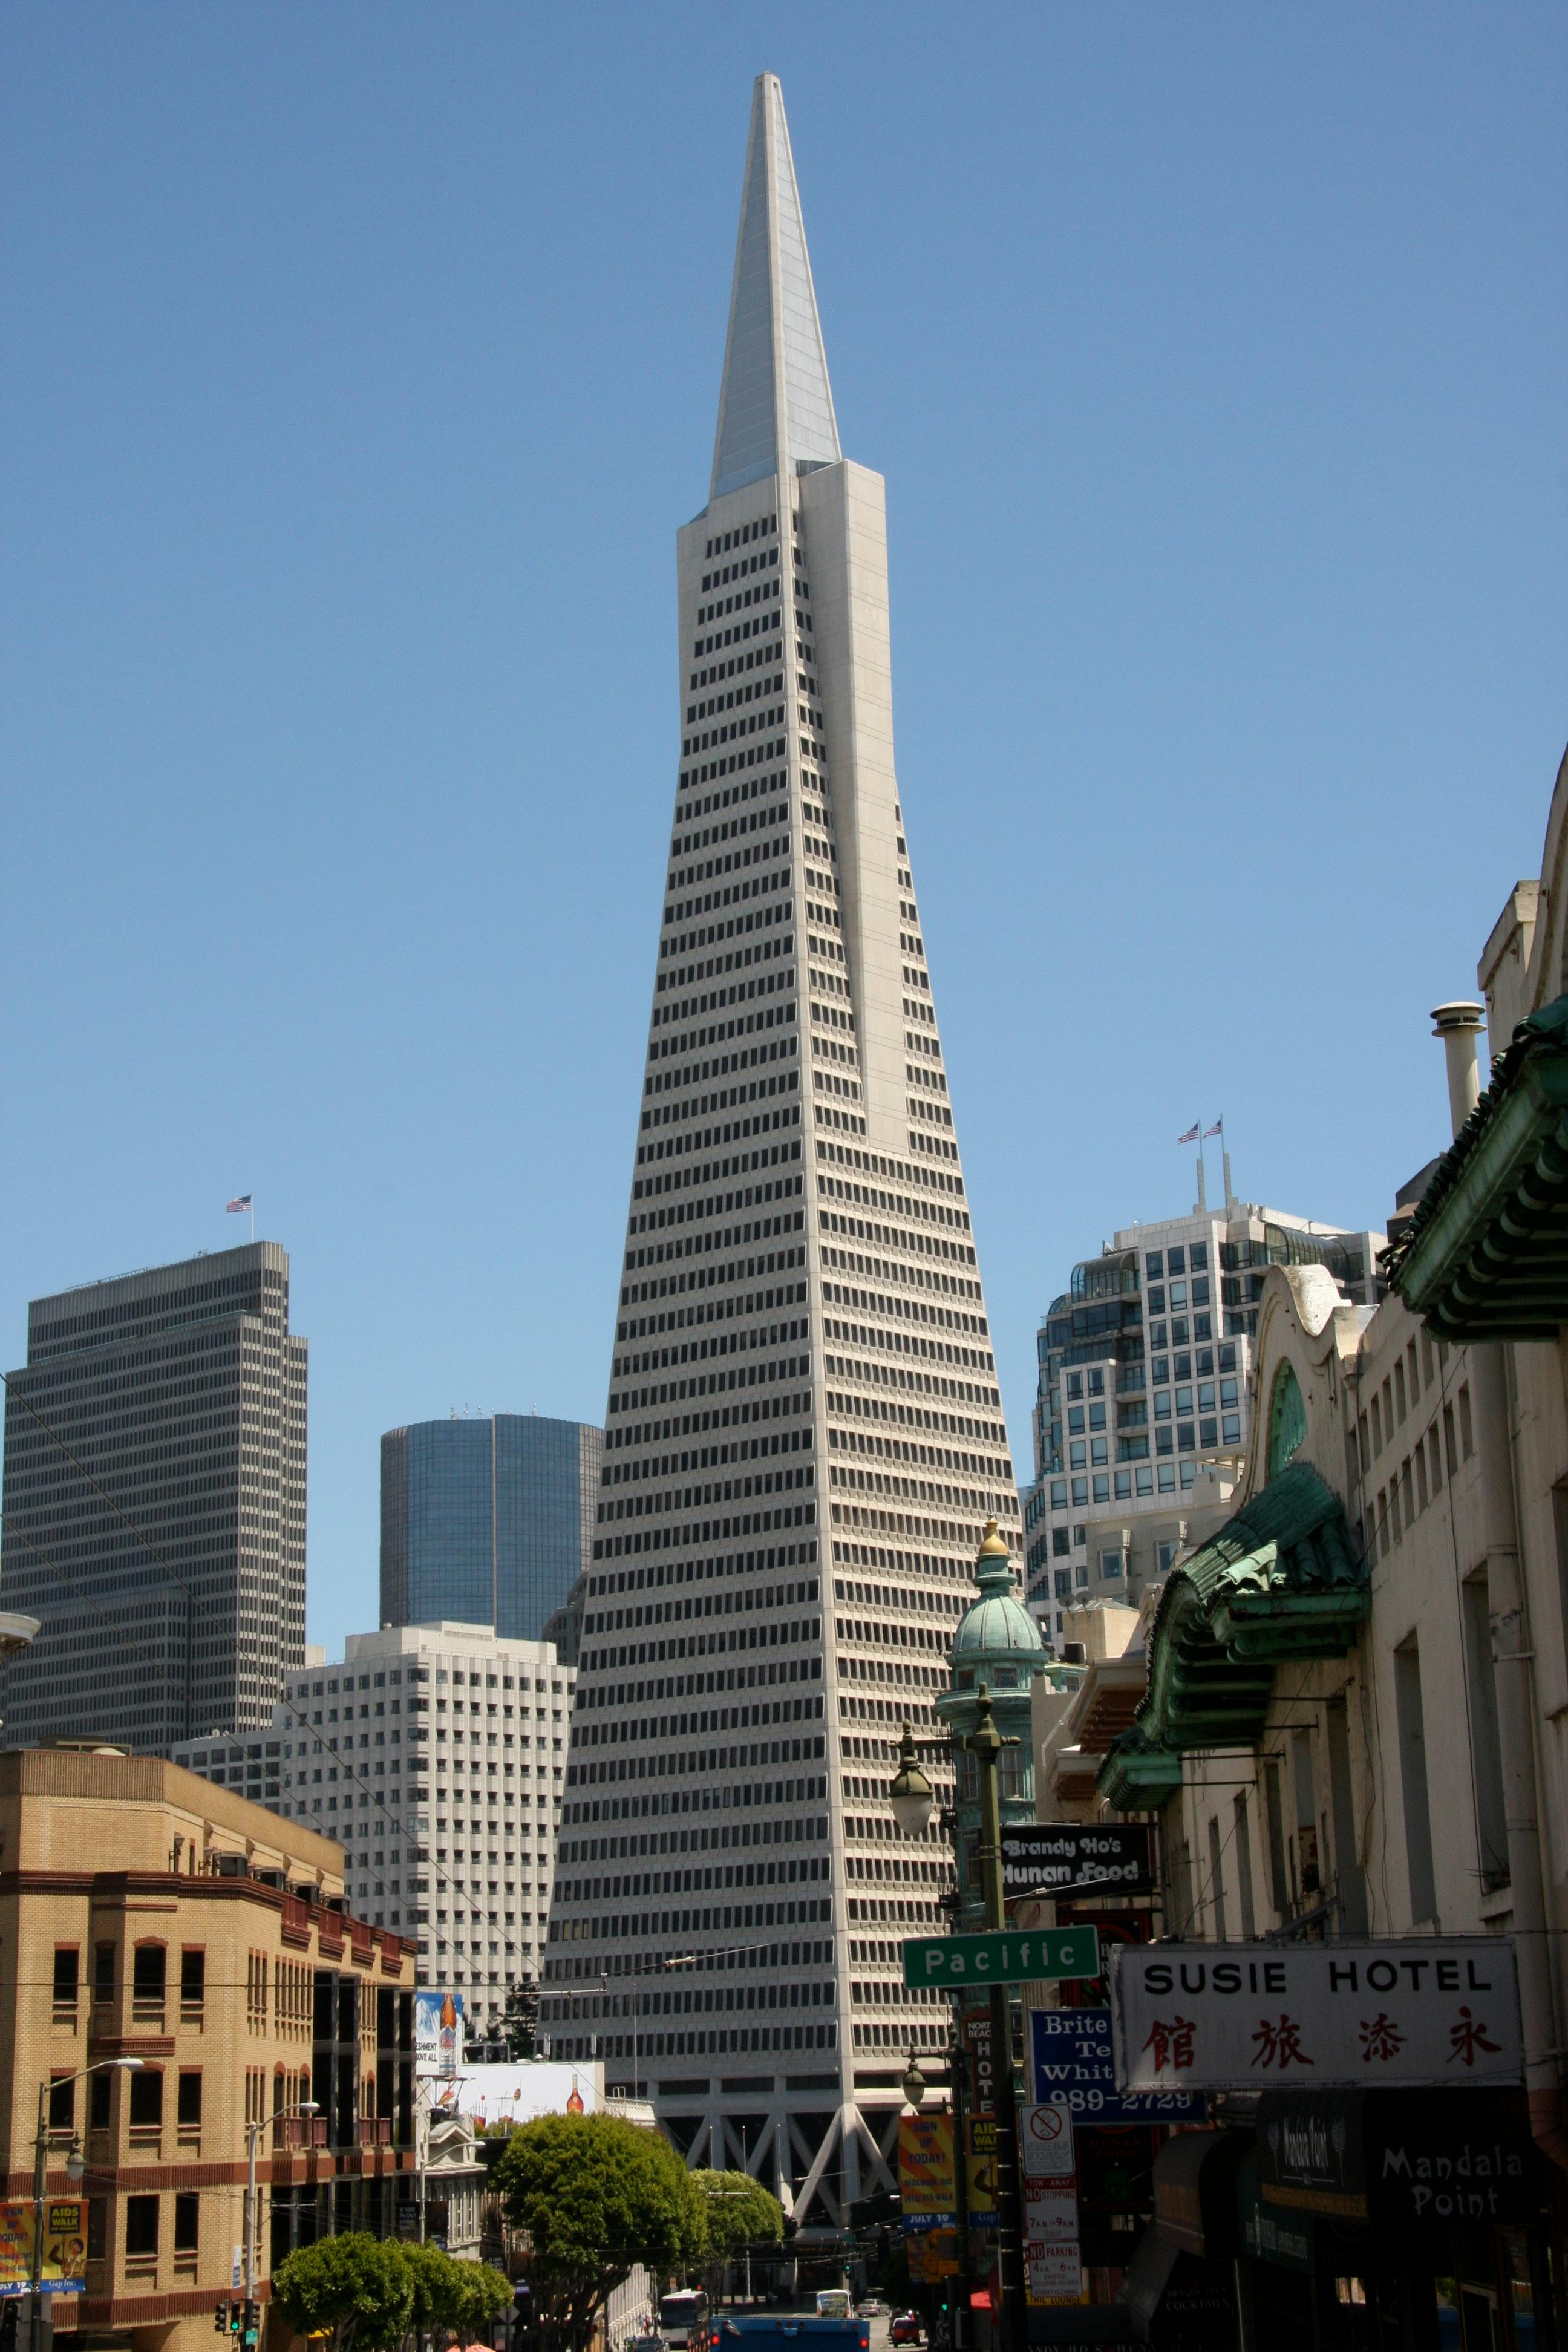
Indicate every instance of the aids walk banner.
{"type": "Point", "coordinates": [63, 2268]}
{"type": "Point", "coordinates": [1438, 2012]}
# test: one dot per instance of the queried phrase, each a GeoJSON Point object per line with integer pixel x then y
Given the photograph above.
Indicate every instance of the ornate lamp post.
{"type": "Point", "coordinates": [75, 2168]}
{"type": "Point", "coordinates": [997, 1652]}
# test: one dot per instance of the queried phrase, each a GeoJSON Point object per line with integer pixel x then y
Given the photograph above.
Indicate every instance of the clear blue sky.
{"type": "Point", "coordinates": [360, 362]}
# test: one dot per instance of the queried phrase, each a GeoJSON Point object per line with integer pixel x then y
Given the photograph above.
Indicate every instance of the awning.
{"type": "Point", "coordinates": [1281, 1582]}
{"type": "Point", "coordinates": [1194, 2191]}
{"type": "Point", "coordinates": [1485, 1256]}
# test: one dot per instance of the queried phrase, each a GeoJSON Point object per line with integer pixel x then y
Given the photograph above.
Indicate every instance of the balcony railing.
{"type": "Point", "coordinates": [298, 2131]}
{"type": "Point", "coordinates": [374, 2131]}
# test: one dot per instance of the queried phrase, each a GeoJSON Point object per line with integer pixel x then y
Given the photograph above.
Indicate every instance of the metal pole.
{"type": "Point", "coordinates": [957, 2060]}
{"type": "Point", "coordinates": [40, 2182]}
{"type": "Point", "coordinates": [251, 2130]}
{"type": "Point", "coordinates": [985, 1743]}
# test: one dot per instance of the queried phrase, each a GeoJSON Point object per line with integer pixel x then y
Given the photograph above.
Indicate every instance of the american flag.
{"type": "Point", "coordinates": [1191, 1136]}
{"type": "Point", "coordinates": [239, 1208]}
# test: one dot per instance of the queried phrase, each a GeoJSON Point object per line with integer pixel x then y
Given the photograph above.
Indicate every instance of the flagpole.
{"type": "Point", "coordinates": [1203, 1186]}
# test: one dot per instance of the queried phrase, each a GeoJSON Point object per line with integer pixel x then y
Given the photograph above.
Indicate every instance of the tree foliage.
{"type": "Point", "coordinates": [371, 2292]}
{"type": "Point", "coordinates": [359, 2288]}
{"type": "Point", "coordinates": [597, 2197]}
{"type": "Point", "coordinates": [453, 2301]}
{"type": "Point", "coordinates": [520, 2022]}
{"type": "Point", "coordinates": [737, 2212]}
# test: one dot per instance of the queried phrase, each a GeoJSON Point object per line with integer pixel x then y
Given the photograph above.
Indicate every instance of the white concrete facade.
{"type": "Point", "coordinates": [436, 1755]}
{"type": "Point", "coordinates": [804, 1432]}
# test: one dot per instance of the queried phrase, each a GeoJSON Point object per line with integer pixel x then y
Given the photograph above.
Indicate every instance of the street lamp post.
{"type": "Point", "coordinates": [911, 1799]}
{"type": "Point", "coordinates": [74, 2169]}
{"type": "Point", "coordinates": [253, 2131]}
{"type": "Point", "coordinates": [985, 1743]}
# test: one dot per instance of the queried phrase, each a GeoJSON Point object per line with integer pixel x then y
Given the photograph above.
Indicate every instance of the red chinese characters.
{"type": "Point", "coordinates": [1469, 2034]}
{"type": "Point", "coordinates": [1380, 2037]}
{"type": "Point", "coordinates": [1172, 2043]}
{"type": "Point", "coordinates": [1279, 2045]}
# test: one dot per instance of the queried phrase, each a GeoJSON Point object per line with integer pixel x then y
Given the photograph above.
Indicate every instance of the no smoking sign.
{"type": "Point", "coordinates": [1046, 2141]}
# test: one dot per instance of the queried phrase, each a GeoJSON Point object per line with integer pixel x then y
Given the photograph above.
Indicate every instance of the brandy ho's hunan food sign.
{"type": "Point", "coordinates": [1436, 2010]}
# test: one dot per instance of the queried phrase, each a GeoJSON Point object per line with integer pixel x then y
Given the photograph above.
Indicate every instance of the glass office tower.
{"type": "Point", "coordinates": [488, 1521]}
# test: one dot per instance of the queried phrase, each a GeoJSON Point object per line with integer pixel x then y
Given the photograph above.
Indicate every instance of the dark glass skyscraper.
{"type": "Point", "coordinates": [179, 1394]}
{"type": "Point", "coordinates": [485, 1522]}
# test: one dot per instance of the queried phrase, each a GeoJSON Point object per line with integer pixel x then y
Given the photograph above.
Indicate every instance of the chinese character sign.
{"type": "Point", "coordinates": [1439, 2011]}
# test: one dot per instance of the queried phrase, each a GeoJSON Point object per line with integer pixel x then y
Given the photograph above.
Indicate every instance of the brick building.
{"type": "Point", "coordinates": [145, 1913]}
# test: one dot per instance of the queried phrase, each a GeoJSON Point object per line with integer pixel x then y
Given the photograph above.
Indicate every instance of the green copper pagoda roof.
{"type": "Point", "coordinates": [1281, 1582]}
{"type": "Point", "coordinates": [1485, 1256]}
{"type": "Point", "coordinates": [997, 1626]}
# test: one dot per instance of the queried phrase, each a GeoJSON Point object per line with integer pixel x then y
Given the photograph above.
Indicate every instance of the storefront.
{"type": "Point", "coordinates": [1398, 2219]}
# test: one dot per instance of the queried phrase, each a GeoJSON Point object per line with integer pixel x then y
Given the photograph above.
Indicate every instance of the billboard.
{"type": "Point", "coordinates": [65, 2246]}
{"type": "Point", "coordinates": [1433, 2011]}
{"type": "Point", "coordinates": [437, 2032]}
{"type": "Point", "coordinates": [516, 2093]}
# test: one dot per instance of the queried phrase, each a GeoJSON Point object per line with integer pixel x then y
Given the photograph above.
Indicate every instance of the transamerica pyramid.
{"type": "Point", "coordinates": [804, 1432]}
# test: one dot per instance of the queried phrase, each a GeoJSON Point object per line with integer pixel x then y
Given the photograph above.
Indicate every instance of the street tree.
{"type": "Point", "coordinates": [453, 2302]}
{"type": "Point", "coordinates": [597, 2197]}
{"type": "Point", "coordinates": [519, 2024]}
{"type": "Point", "coordinates": [737, 2212]}
{"type": "Point", "coordinates": [357, 2288]}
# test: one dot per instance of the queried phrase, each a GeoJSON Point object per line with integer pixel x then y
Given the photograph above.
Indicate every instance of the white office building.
{"type": "Point", "coordinates": [804, 1432]}
{"type": "Point", "coordinates": [436, 1755]}
{"type": "Point", "coordinates": [1144, 1395]}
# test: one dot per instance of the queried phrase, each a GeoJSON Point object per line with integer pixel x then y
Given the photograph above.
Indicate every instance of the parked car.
{"type": "Point", "coordinates": [871, 2307]}
{"type": "Point", "coordinates": [907, 2328]}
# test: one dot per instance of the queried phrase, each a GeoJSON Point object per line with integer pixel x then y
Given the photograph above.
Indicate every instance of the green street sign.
{"type": "Point", "coordinates": [1028, 1957]}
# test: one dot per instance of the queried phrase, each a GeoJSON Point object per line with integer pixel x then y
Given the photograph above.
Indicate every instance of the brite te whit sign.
{"type": "Point", "coordinates": [1441, 2011]}
{"type": "Point", "coordinates": [1034, 1955]}
{"type": "Point", "coordinates": [1070, 2054]}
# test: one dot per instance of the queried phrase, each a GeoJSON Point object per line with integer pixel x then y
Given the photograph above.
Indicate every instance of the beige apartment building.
{"type": "Point", "coordinates": [1356, 1721]}
{"type": "Point", "coordinates": [146, 1915]}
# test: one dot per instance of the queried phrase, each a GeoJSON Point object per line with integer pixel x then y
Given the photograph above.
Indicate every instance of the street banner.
{"type": "Point", "coordinates": [932, 2255]}
{"type": "Point", "coordinates": [927, 2190]}
{"type": "Point", "coordinates": [437, 2032]}
{"type": "Point", "coordinates": [1048, 1858]}
{"type": "Point", "coordinates": [980, 2171]}
{"type": "Point", "coordinates": [1045, 2142]}
{"type": "Point", "coordinates": [1034, 1955]}
{"type": "Point", "coordinates": [1070, 2058]}
{"type": "Point", "coordinates": [1436, 2012]}
{"type": "Point", "coordinates": [64, 2265]}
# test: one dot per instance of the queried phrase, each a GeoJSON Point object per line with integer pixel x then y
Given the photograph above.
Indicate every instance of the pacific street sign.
{"type": "Point", "coordinates": [1032, 1956]}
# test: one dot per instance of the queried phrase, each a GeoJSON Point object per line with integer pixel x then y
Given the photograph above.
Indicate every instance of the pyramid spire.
{"type": "Point", "coordinates": [775, 407]}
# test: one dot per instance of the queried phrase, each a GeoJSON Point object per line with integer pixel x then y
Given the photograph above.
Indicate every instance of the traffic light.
{"type": "Point", "coordinates": [252, 2312]}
